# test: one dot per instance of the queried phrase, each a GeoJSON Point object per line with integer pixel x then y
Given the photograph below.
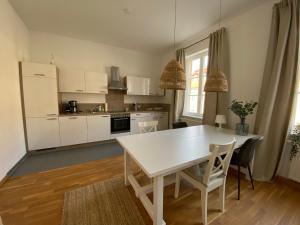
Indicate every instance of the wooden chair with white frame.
{"type": "Point", "coordinates": [210, 175]}
{"type": "Point", "coordinates": [148, 126]}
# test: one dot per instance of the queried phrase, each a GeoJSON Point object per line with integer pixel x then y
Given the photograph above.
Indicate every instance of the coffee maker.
{"type": "Point", "coordinates": [72, 107]}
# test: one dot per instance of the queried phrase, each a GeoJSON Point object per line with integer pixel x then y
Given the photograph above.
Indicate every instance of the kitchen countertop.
{"type": "Point", "coordinates": [107, 113]}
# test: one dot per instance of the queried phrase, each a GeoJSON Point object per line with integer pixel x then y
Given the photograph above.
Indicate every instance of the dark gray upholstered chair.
{"type": "Point", "coordinates": [242, 158]}
{"type": "Point", "coordinates": [177, 125]}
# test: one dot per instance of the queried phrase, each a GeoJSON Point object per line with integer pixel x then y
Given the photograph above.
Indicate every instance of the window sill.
{"type": "Point", "coordinates": [192, 119]}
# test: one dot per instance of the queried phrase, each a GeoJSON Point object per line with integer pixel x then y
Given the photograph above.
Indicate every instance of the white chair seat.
{"type": "Point", "coordinates": [196, 172]}
{"type": "Point", "coordinates": [208, 176]}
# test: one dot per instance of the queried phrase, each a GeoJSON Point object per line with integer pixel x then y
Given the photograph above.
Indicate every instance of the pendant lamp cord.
{"type": "Point", "coordinates": [220, 13]}
{"type": "Point", "coordinates": [175, 22]}
{"type": "Point", "coordinates": [220, 19]}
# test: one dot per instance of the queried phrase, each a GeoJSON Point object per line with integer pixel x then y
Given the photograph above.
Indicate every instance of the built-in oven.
{"type": "Point", "coordinates": [120, 123]}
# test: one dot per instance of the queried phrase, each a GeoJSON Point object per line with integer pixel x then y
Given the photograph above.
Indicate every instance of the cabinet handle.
{"type": "Point", "coordinates": [102, 92]}
{"type": "Point", "coordinates": [73, 118]}
{"type": "Point", "coordinates": [104, 116]}
{"type": "Point", "coordinates": [52, 119]}
{"type": "Point", "coordinates": [53, 114]}
{"type": "Point", "coordinates": [79, 90]}
{"type": "Point", "coordinates": [133, 119]}
{"type": "Point", "coordinates": [39, 74]}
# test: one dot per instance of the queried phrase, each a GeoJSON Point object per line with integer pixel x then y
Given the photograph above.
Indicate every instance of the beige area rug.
{"type": "Point", "coordinates": [111, 203]}
{"type": "Point", "coordinates": [102, 203]}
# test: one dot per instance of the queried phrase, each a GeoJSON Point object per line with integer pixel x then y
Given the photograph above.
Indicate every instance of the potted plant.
{"type": "Point", "coordinates": [294, 138]}
{"type": "Point", "coordinates": [242, 110]}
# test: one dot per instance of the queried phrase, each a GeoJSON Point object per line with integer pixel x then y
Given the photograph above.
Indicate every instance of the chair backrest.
{"type": "Point", "coordinates": [148, 126]}
{"type": "Point", "coordinates": [246, 151]}
{"type": "Point", "coordinates": [219, 161]}
{"type": "Point", "coordinates": [177, 125]}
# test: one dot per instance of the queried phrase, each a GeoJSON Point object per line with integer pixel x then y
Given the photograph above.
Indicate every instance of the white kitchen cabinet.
{"type": "Point", "coordinates": [73, 130]}
{"type": "Point", "coordinates": [96, 83]}
{"type": "Point", "coordinates": [40, 96]}
{"type": "Point", "coordinates": [138, 85]}
{"type": "Point", "coordinates": [155, 90]}
{"type": "Point", "coordinates": [42, 133]}
{"type": "Point", "coordinates": [135, 118]}
{"type": "Point", "coordinates": [71, 81]}
{"type": "Point", "coordinates": [163, 121]}
{"type": "Point", "coordinates": [98, 128]}
{"type": "Point", "coordinates": [161, 117]}
{"type": "Point", "coordinates": [38, 69]}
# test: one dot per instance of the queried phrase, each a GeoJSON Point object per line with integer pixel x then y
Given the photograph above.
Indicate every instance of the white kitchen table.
{"type": "Point", "coordinates": [163, 153]}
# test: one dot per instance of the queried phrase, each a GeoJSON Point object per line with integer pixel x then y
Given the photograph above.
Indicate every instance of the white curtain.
{"type": "Point", "coordinates": [179, 94]}
{"type": "Point", "coordinates": [277, 91]}
{"type": "Point", "coordinates": [286, 166]}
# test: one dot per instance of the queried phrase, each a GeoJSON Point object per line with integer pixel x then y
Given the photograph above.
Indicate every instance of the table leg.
{"type": "Point", "coordinates": [158, 194]}
{"type": "Point", "coordinates": [127, 168]}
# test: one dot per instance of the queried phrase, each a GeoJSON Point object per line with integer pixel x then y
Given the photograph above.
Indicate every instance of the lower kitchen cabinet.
{"type": "Point", "coordinates": [161, 117]}
{"type": "Point", "coordinates": [98, 128]}
{"type": "Point", "coordinates": [73, 130]}
{"type": "Point", "coordinates": [134, 124]}
{"type": "Point", "coordinates": [42, 133]}
{"type": "Point", "coordinates": [163, 121]}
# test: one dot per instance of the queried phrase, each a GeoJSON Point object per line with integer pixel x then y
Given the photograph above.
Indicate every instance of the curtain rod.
{"type": "Point", "coordinates": [196, 42]}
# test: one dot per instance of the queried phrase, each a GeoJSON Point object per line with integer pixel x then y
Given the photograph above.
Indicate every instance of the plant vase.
{"type": "Point", "coordinates": [242, 128]}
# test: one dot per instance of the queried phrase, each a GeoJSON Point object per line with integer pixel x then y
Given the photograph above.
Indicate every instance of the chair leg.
{"type": "Point", "coordinates": [222, 197]}
{"type": "Point", "coordinates": [239, 181]}
{"type": "Point", "coordinates": [177, 185]}
{"type": "Point", "coordinates": [204, 206]}
{"type": "Point", "coordinates": [250, 174]}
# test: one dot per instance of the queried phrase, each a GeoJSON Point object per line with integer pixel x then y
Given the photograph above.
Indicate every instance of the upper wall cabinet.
{"type": "Point", "coordinates": [143, 86]}
{"type": "Point", "coordinates": [38, 70]}
{"type": "Point", "coordinates": [71, 81]}
{"type": "Point", "coordinates": [138, 85]}
{"type": "Point", "coordinates": [40, 96]}
{"type": "Point", "coordinates": [76, 81]}
{"type": "Point", "coordinates": [96, 83]}
{"type": "Point", "coordinates": [39, 90]}
{"type": "Point", "coordinates": [155, 90]}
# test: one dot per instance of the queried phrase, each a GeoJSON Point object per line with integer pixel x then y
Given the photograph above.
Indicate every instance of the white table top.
{"type": "Point", "coordinates": [163, 152]}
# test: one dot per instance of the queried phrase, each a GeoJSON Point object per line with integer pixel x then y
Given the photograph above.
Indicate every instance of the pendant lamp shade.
{"type": "Point", "coordinates": [216, 82]}
{"type": "Point", "coordinates": [173, 76]}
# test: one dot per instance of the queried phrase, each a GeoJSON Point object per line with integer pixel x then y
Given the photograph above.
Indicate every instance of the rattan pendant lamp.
{"type": "Point", "coordinates": [216, 81]}
{"type": "Point", "coordinates": [173, 76]}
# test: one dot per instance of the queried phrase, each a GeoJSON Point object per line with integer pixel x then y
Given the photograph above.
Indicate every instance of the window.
{"type": "Point", "coordinates": [196, 72]}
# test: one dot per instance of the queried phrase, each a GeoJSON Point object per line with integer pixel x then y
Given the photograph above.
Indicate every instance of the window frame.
{"type": "Point", "coordinates": [189, 59]}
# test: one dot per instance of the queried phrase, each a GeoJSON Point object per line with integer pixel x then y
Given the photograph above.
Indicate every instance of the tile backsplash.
{"type": "Point", "coordinates": [114, 99]}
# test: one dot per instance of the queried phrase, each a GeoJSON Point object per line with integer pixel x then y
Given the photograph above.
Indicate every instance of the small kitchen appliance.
{"type": "Point", "coordinates": [73, 106]}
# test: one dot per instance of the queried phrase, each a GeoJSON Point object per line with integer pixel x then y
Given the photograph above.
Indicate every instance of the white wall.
{"type": "Point", "coordinates": [89, 56]}
{"type": "Point", "coordinates": [248, 35]}
{"type": "Point", "coordinates": [14, 42]}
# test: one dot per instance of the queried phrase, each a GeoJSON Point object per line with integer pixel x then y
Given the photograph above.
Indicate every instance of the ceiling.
{"type": "Point", "coordinates": [144, 25]}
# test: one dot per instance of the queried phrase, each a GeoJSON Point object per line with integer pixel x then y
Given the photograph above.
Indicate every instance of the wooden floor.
{"type": "Point", "coordinates": [37, 199]}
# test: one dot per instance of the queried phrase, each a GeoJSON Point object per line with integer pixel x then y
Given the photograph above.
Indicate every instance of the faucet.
{"type": "Point", "coordinates": [135, 106]}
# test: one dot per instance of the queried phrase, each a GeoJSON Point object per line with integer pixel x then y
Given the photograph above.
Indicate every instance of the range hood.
{"type": "Point", "coordinates": [116, 83]}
